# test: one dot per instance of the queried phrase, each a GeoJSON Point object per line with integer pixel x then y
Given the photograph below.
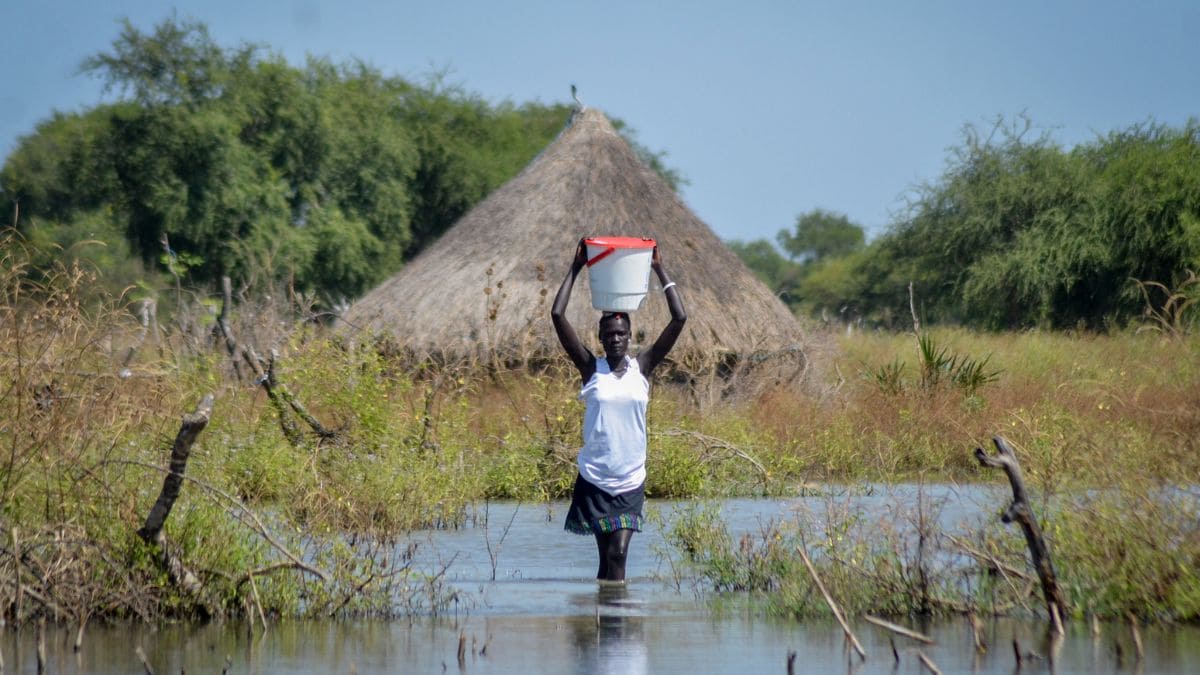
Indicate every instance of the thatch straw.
{"type": "Point", "coordinates": [486, 285]}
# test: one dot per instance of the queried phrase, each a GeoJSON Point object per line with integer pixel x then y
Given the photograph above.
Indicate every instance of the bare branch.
{"type": "Point", "coordinates": [837, 613]}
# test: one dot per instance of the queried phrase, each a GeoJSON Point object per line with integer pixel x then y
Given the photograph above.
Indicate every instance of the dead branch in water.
{"type": "Point", "coordinates": [281, 399]}
{"type": "Point", "coordinates": [712, 443]}
{"type": "Point", "coordinates": [837, 613]}
{"type": "Point", "coordinates": [252, 521]}
{"type": "Point", "coordinates": [152, 531]}
{"type": "Point", "coordinates": [1021, 512]}
{"type": "Point", "coordinates": [898, 629]}
{"type": "Point", "coordinates": [928, 663]}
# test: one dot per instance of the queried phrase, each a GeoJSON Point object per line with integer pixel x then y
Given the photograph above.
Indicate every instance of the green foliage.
{"type": "Point", "coordinates": [833, 287]}
{"type": "Point", "coordinates": [820, 275]}
{"type": "Point", "coordinates": [821, 234]}
{"type": "Point", "coordinates": [178, 64]}
{"type": "Point", "coordinates": [887, 566]}
{"type": "Point", "coordinates": [699, 533]}
{"type": "Point", "coordinates": [1019, 232]}
{"type": "Point", "coordinates": [673, 469]}
{"type": "Point", "coordinates": [769, 265]}
{"type": "Point", "coordinates": [329, 176]}
{"type": "Point", "coordinates": [937, 366]}
{"type": "Point", "coordinates": [1113, 561]}
{"type": "Point", "coordinates": [1169, 310]}
{"type": "Point", "coordinates": [888, 377]}
{"type": "Point", "coordinates": [465, 148]}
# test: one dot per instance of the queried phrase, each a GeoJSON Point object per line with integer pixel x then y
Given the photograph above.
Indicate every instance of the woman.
{"type": "Point", "coordinates": [610, 489]}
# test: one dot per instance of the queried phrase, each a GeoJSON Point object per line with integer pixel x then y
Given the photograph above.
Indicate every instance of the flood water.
{"type": "Point", "coordinates": [544, 613]}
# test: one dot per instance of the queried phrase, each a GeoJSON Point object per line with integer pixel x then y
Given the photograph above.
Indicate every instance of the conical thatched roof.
{"type": "Point", "coordinates": [488, 282]}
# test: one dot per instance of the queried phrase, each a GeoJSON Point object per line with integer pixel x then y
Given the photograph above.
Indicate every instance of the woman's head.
{"type": "Point", "coordinates": [615, 328]}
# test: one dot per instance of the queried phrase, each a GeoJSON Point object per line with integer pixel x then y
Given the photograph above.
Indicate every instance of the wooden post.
{"type": "Point", "coordinates": [1021, 512]}
{"type": "Point", "coordinates": [223, 327]}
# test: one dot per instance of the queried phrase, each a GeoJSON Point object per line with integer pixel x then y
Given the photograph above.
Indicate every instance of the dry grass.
{"type": "Point", "coordinates": [95, 395]}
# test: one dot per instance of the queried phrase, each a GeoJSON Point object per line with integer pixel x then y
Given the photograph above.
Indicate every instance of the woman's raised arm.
{"type": "Point", "coordinates": [583, 359]}
{"type": "Point", "coordinates": [649, 359]}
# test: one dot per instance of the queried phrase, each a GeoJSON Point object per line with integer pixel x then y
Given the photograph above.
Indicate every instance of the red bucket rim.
{"type": "Point", "coordinates": [621, 242]}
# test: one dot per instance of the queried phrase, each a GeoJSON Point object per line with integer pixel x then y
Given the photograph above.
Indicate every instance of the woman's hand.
{"type": "Point", "coordinates": [656, 260]}
{"type": "Point", "coordinates": [581, 256]}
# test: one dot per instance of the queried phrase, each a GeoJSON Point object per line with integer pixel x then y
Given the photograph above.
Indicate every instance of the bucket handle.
{"type": "Point", "coordinates": [601, 255]}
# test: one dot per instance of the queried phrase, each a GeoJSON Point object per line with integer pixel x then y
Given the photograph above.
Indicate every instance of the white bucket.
{"type": "Point", "coordinates": [619, 272]}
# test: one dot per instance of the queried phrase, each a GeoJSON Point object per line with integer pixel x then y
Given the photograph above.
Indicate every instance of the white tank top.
{"type": "Point", "coordinates": [613, 457]}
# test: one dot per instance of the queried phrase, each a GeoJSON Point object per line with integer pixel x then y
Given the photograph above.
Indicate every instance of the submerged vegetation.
{"type": "Point", "coordinates": [337, 450]}
{"type": "Point", "coordinates": [308, 185]}
{"type": "Point", "coordinates": [1127, 550]}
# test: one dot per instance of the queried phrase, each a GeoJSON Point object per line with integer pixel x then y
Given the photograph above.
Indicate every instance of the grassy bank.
{"type": "Point", "coordinates": [94, 398]}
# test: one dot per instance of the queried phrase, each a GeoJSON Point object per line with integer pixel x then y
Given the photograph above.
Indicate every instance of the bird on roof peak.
{"type": "Point", "coordinates": [575, 97]}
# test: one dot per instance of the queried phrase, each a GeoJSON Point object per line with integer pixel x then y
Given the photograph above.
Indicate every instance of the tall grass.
{"type": "Point", "coordinates": [1105, 427]}
{"type": "Point", "coordinates": [94, 396]}
{"type": "Point", "coordinates": [1131, 550]}
{"type": "Point", "coordinates": [90, 406]}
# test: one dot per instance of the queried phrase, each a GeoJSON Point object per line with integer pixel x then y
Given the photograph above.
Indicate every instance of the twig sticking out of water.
{"type": "Point", "coordinates": [16, 545]}
{"type": "Point", "coordinates": [258, 605]}
{"type": "Point", "coordinates": [1021, 512]}
{"type": "Point", "coordinates": [41, 646]}
{"type": "Point", "coordinates": [981, 646]}
{"type": "Point", "coordinates": [462, 649]}
{"type": "Point", "coordinates": [791, 662]}
{"type": "Point", "coordinates": [928, 663]}
{"type": "Point", "coordinates": [494, 553]}
{"type": "Point", "coordinates": [898, 629]}
{"type": "Point", "coordinates": [152, 531]}
{"type": "Point", "coordinates": [78, 638]}
{"type": "Point", "coordinates": [837, 613]}
{"type": "Point", "coordinates": [142, 657]}
{"type": "Point", "coordinates": [1137, 636]}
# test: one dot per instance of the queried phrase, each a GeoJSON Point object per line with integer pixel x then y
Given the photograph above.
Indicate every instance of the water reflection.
{"type": "Point", "coordinates": [615, 642]}
{"type": "Point", "coordinates": [544, 613]}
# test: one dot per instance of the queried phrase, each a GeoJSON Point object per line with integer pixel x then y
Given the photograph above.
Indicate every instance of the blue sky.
{"type": "Point", "coordinates": [770, 109]}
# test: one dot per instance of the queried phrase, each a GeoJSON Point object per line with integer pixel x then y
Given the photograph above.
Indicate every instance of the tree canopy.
{"type": "Point", "coordinates": [1017, 232]}
{"type": "Point", "coordinates": [231, 161]}
{"type": "Point", "coordinates": [819, 234]}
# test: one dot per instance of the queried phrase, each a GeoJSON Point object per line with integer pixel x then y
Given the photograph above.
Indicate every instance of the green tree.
{"type": "Point", "coordinates": [820, 234]}
{"type": "Point", "coordinates": [329, 175]}
{"type": "Point", "coordinates": [177, 64]}
{"type": "Point", "coordinates": [769, 265]}
{"type": "Point", "coordinates": [1020, 232]}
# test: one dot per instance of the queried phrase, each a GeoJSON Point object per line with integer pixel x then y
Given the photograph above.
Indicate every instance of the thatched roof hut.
{"type": "Point", "coordinates": [487, 284]}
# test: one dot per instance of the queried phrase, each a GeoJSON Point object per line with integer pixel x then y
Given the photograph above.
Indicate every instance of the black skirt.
{"type": "Point", "coordinates": [594, 511]}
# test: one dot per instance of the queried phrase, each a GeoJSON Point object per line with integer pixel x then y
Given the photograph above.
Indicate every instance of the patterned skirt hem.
{"type": "Point", "coordinates": [605, 525]}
